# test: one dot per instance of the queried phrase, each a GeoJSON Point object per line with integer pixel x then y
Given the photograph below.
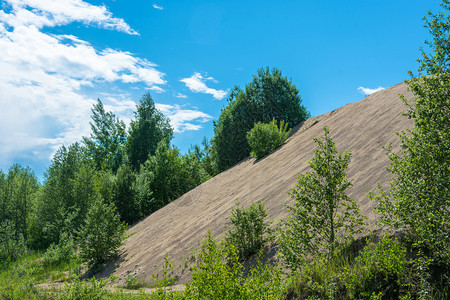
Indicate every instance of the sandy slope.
{"type": "Point", "coordinates": [362, 127]}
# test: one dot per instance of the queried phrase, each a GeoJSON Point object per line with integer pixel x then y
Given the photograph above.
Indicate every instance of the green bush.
{"type": "Point", "coordinates": [102, 234]}
{"type": "Point", "coordinates": [215, 278]}
{"type": "Point", "coordinates": [249, 231]}
{"type": "Point", "coordinates": [80, 290]}
{"type": "Point", "coordinates": [62, 252]}
{"type": "Point", "coordinates": [264, 138]}
{"type": "Point", "coordinates": [379, 270]}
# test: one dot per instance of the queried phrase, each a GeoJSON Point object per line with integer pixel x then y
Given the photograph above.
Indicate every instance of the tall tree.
{"type": "Point", "coordinates": [147, 129]}
{"type": "Point", "coordinates": [107, 139]}
{"type": "Point", "coordinates": [17, 191]}
{"type": "Point", "coordinates": [68, 191]}
{"type": "Point", "coordinates": [322, 217]}
{"type": "Point", "coordinates": [268, 96]}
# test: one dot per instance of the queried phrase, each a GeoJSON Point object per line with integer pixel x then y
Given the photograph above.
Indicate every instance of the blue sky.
{"type": "Point", "coordinates": [59, 56]}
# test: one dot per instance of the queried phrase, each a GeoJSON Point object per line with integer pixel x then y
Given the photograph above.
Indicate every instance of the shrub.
{"type": "Point", "coordinates": [379, 270]}
{"type": "Point", "coordinates": [80, 290]}
{"type": "Point", "coordinates": [214, 278]}
{"type": "Point", "coordinates": [62, 252]}
{"type": "Point", "coordinates": [102, 234]}
{"type": "Point", "coordinates": [248, 231]}
{"type": "Point", "coordinates": [264, 138]}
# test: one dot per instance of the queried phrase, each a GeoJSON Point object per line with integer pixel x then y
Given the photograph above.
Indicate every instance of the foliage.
{"type": "Point", "coordinates": [147, 129]}
{"type": "Point", "coordinates": [269, 96]}
{"type": "Point", "coordinates": [60, 253]}
{"type": "Point", "coordinates": [17, 192]}
{"type": "Point", "coordinates": [80, 290]}
{"type": "Point", "coordinates": [12, 244]}
{"type": "Point", "coordinates": [438, 60]}
{"type": "Point", "coordinates": [248, 231]}
{"type": "Point", "coordinates": [102, 234]}
{"type": "Point", "coordinates": [264, 138]}
{"type": "Point", "coordinates": [323, 217]}
{"type": "Point", "coordinates": [213, 278]}
{"type": "Point", "coordinates": [168, 175]}
{"type": "Point", "coordinates": [380, 269]}
{"type": "Point", "coordinates": [108, 136]}
{"type": "Point", "coordinates": [68, 190]}
{"type": "Point", "coordinates": [124, 195]}
{"type": "Point", "coordinates": [167, 277]}
{"type": "Point", "coordinates": [419, 195]}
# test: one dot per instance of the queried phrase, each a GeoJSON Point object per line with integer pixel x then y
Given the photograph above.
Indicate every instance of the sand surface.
{"type": "Point", "coordinates": [362, 127]}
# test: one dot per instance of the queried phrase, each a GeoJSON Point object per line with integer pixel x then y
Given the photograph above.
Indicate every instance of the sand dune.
{"type": "Point", "coordinates": [362, 127]}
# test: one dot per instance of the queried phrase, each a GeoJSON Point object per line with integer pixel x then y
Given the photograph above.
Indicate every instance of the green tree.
{"type": "Point", "coordinates": [264, 138]}
{"type": "Point", "coordinates": [124, 195]}
{"type": "Point", "coordinates": [107, 139]}
{"type": "Point", "coordinates": [437, 61]}
{"type": "Point", "coordinates": [102, 234]}
{"type": "Point", "coordinates": [322, 217]}
{"type": "Point", "coordinates": [147, 129]}
{"type": "Point", "coordinates": [17, 193]}
{"type": "Point", "coordinates": [419, 194]}
{"type": "Point", "coordinates": [268, 96]}
{"type": "Point", "coordinates": [68, 191]}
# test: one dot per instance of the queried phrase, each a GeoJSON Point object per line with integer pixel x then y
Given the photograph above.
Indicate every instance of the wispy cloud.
{"type": "Point", "coordinates": [180, 95]}
{"type": "Point", "coordinates": [50, 13]}
{"type": "Point", "coordinates": [368, 91]}
{"type": "Point", "coordinates": [183, 119]}
{"type": "Point", "coordinates": [196, 83]}
{"type": "Point", "coordinates": [43, 77]}
{"type": "Point", "coordinates": [157, 6]}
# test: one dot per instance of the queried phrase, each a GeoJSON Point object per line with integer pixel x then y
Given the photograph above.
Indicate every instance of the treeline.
{"type": "Point", "coordinates": [136, 170]}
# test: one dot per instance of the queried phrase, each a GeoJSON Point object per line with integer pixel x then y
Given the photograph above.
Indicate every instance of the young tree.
{"type": "Point", "coordinates": [147, 129]}
{"type": "Point", "coordinates": [323, 216]}
{"type": "Point", "coordinates": [107, 139]}
{"type": "Point", "coordinates": [102, 234]}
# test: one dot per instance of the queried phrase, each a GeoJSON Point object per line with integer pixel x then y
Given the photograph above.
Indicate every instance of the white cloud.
{"type": "Point", "coordinates": [180, 95]}
{"type": "Point", "coordinates": [43, 76]}
{"type": "Point", "coordinates": [196, 83]}
{"type": "Point", "coordinates": [183, 119]}
{"type": "Point", "coordinates": [368, 91]}
{"type": "Point", "coordinates": [42, 13]}
{"type": "Point", "coordinates": [157, 6]}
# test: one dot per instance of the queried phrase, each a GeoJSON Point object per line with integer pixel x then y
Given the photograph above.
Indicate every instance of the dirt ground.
{"type": "Point", "coordinates": [176, 230]}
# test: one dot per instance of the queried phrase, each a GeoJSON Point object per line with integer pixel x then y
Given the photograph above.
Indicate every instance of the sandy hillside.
{"type": "Point", "coordinates": [362, 127]}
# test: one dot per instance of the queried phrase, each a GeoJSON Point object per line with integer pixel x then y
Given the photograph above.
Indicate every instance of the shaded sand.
{"type": "Point", "coordinates": [362, 127]}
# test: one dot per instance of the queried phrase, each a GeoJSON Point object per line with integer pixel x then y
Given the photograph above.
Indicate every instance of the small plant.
{"type": "Point", "coordinates": [167, 277]}
{"type": "Point", "coordinates": [132, 282]}
{"type": "Point", "coordinates": [249, 231]}
{"type": "Point", "coordinates": [264, 138]}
